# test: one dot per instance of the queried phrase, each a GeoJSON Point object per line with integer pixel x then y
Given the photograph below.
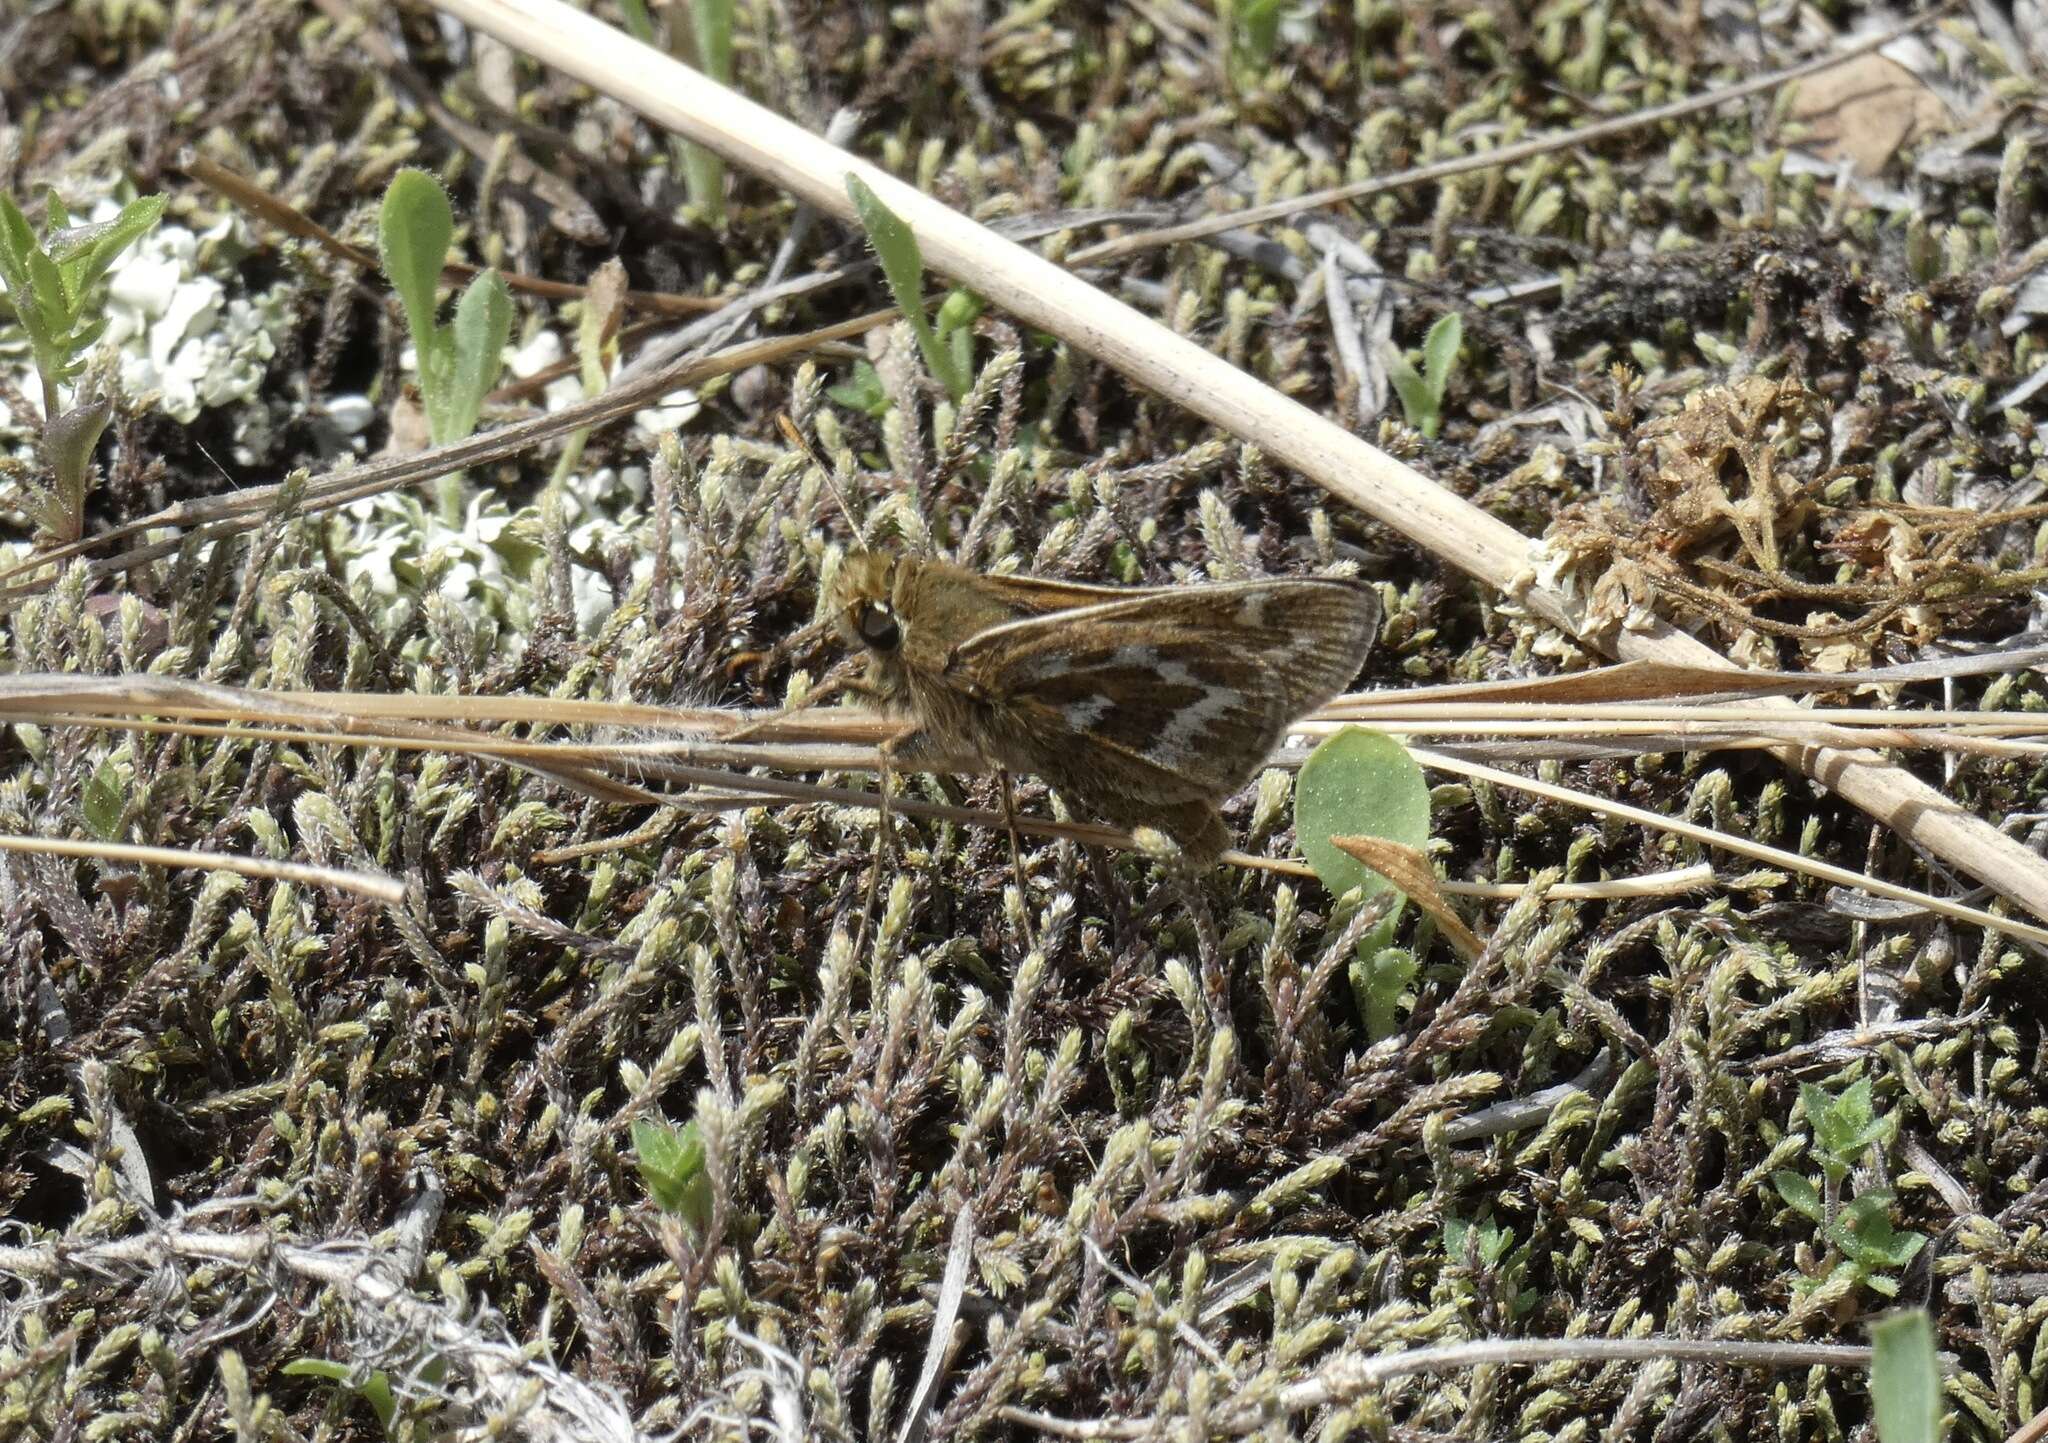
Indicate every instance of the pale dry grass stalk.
{"type": "Point", "coordinates": [363, 884]}
{"type": "Point", "coordinates": [704, 776]}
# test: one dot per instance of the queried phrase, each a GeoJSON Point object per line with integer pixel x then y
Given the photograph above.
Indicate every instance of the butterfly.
{"type": "Point", "coordinates": [1140, 706]}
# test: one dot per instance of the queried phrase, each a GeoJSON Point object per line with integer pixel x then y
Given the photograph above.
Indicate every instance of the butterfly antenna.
{"type": "Point", "coordinates": [797, 439]}
{"type": "Point", "coordinates": [233, 484]}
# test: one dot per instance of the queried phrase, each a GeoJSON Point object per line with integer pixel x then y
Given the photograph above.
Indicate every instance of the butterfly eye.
{"type": "Point", "coordinates": [878, 628]}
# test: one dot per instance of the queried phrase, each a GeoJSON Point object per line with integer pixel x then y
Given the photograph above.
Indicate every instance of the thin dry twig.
{"type": "Point", "coordinates": [143, 702]}
{"type": "Point", "coordinates": [274, 210]}
{"type": "Point", "coordinates": [1726, 841]}
{"type": "Point", "coordinates": [363, 884]}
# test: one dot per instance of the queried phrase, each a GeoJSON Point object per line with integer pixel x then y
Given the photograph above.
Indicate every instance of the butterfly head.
{"type": "Point", "coordinates": [863, 596]}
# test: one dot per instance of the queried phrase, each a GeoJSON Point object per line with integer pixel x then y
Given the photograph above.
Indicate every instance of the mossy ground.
{"type": "Point", "coordinates": [1191, 1176]}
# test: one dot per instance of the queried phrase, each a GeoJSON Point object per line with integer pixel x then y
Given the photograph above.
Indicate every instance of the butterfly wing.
{"type": "Point", "coordinates": [1182, 692]}
{"type": "Point", "coordinates": [1028, 596]}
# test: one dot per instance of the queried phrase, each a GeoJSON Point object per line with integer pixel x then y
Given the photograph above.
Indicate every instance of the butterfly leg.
{"type": "Point", "coordinates": [1009, 800]}
{"type": "Point", "coordinates": [885, 826]}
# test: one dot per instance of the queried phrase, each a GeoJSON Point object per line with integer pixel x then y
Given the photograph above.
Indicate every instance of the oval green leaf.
{"type": "Point", "coordinates": [1358, 783]}
{"type": "Point", "coordinates": [483, 324]}
{"type": "Point", "coordinates": [414, 227]}
{"type": "Point", "coordinates": [1905, 1379]}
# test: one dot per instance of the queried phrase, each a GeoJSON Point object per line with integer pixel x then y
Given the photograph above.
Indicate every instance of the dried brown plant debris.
{"type": "Point", "coordinates": [1744, 509]}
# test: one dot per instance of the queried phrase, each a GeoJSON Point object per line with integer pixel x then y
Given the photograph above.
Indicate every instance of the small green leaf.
{"type": "Point", "coordinates": [16, 241]}
{"type": "Point", "coordinates": [483, 323]}
{"type": "Point", "coordinates": [414, 228]}
{"type": "Point", "coordinates": [374, 1388]}
{"type": "Point", "coordinates": [706, 44]}
{"type": "Point", "coordinates": [1905, 1378]}
{"type": "Point", "coordinates": [1258, 31]}
{"type": "Point", "coordinates": [1863, 1231]}
{"type": "Point", "coordinates": [1418, 408]}
{"type": "Point", "coordinates": [903, 268]}
{"type": "Point", "coordinates": [959, 310]}
{"type": "Point", "coordinates": [959, 348]}
{"type": "Point", "coordinates": [704, 182]}
{"type": "Point", "coordinates": [895, 247]}
{"type": "Point", "coordinates": [1798, 1192]}
{"type": "Point", "coordinates": [671, 1162]}
{"type": "Point", "coordinates": [1440, 353]}
{"type": "Point", "coordinates": [136, 219]}
{"type": "Point", "coordinates": [1377, 984]}
{"type": "Point", "coordinates": [50, 306]}
{"type": "Point", "coordinates": [862, 391]}
{"type": "Point", "coordinates": [639, 24]}
{"type": "Point", "coordinates": [49, 283]}
{"type": "Point", "coordinates": [711, 29]}
{"type": "Point", "coordinates": [104, 801]}
{"type": "Point", "coordinates": [1845, 1127]}
{"type": "Point", "coordinates": [1493, 1239]}
{"type": "Point", "coordinates": [67, 244]}
{"type": "Point", "coordinates": [1358, 784]}
{"type": "Point", "coordinates": [68, 442]}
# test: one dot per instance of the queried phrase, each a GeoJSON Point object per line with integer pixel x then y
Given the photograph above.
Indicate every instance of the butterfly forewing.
{"type": "Point", "coordinates": [1187, 688]}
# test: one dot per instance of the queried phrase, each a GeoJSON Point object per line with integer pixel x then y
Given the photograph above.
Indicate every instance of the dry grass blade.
{"type": "Point", "coordinates": [703, 772]}
{"type": "Point", "coordinates": [388, 890]}
{"type": "Point", "coordinates": [275, 211]}
{"type": "Point", "coordinates": [1409, 870]}
{"type": "Point", "coordinates": [945, 1313]}
{"type": "Point", "coordinates": [1670, 681]}
{"type": "Point", "coordinates": [1673, 883]}
{"type": "Point", "coordinates": [1742, 846]}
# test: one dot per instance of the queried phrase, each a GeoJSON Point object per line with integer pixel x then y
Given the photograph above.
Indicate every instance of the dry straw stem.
{"type": "Point", "coordinates": [1741, 846]}
{"type": "Point", "coordinates": [1673, 883]}
{"type": "Point", "coordinates": [628, 773]}
{"type": "Point", "coordinates": [276, 211]}
{"type": "Point", "coordinates": [1044, 295]}
{"type": "Point", "coordinates": [363, 884]}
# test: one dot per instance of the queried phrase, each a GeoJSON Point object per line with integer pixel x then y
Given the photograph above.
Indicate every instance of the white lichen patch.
{"type": "Point", "coordinates": [186, 336]}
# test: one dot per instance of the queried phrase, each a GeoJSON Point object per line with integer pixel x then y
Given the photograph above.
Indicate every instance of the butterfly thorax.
{"type": "Point", "coordinates": [907, 614]}
{"type": "Point", "coordinates": [910, 615]}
